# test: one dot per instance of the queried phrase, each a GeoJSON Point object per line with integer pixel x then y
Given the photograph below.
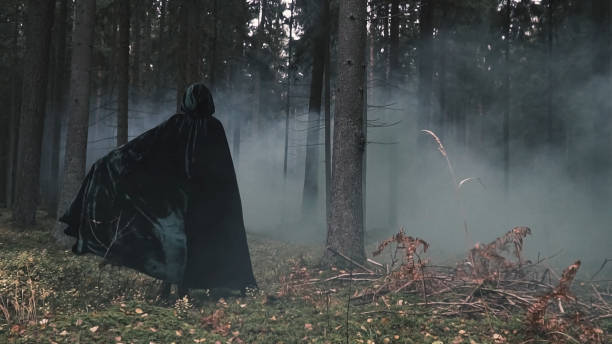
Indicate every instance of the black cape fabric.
{"type": "Point", "coordinates": [167, 204]}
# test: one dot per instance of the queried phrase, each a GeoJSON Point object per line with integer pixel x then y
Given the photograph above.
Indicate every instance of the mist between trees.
{"type": "Point", "coordinates": [518, 91]}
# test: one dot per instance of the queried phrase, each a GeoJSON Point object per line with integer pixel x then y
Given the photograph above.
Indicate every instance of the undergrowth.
{"type": "Point", "coordinates": [49, 295]}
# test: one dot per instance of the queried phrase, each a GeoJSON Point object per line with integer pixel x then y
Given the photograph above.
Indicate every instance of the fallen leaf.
{"type": "Point", "coordinates": [308, 327]}
{"type": "Point", "coordinates": [79, 322]}
{"type": "Point", "coordinates": [94, 329]}
{"type": "Point", "coordinates": [118, 338]}
{"type": "Point", "coordinates": [153, 329]}
{"type": "Point", "coordinates": [63, 333]}
{"type": "Point", "coordinates": [179, 333]}
{"type": "Point", "coordinates": [138, 311]}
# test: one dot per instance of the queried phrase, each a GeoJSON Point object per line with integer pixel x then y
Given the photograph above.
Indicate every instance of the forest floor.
{"type": "Point", "coordinates": [50, 295]}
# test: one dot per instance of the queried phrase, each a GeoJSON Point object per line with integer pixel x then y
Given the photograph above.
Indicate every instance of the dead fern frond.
{"type": "Point", "coordinates": [408, 243]}
{"type": "Point", "coordinates": [487, 259]}
{"type": "Point", "coordinates": [411, 267]}
{"type": "Point", "coordinates": [536, 313]}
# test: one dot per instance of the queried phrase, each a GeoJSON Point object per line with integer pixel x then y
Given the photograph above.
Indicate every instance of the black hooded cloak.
{"type": "Point", "coordinates": [167, 203]}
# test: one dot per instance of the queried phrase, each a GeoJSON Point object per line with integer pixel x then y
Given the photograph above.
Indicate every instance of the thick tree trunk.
{"type": "Point", "coordinates": [346, 229]}
{"type": "Point", "coordinates": [310, 194]}
{"type": "Point", "coordinates": [36, 62]}
{"type": "Point", "coordinates": [59, 104]}
{"type": "Point", "coordinates": [425, 67]}
{"type": "Point", "coordinates": [13, 124]}
{"type": "Point", "coordinates": [78, 107]}
{"type": "Point", "coordinates": [123, 71]}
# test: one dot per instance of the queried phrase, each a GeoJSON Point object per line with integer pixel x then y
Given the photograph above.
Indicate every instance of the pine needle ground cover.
{"type": "Point", "coordinates": [49, 295]}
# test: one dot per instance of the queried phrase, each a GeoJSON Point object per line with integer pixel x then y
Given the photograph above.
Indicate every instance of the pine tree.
{"type": "Point", "coordinates": [34, 95]}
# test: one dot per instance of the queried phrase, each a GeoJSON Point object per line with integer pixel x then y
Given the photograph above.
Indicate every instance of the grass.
{"type": "Point", "coordinates": [71, 299]}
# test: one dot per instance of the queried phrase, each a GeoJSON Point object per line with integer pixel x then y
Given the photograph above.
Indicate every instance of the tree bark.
{"type": "Point", "coordinates": [602, 123]}
{"type": "Point", "coordinates": [425, 58]}
{"type": "Point", "coordinates": [392, 80]}
{"type": "Point", "coordinates": [123, 71]}
{"type": "Point", "coordinates": [161, 57]}
{"type": "Point", "coordinates": [328, 121]}
{"type": "Point", "coordinates": [506, 99]}
{"type": "Point", "coordinates": [345, 230]}
{"type": "Point", "coordinates": [443, 122]}
{"type": "Point", "coordinates": [310, 194]}
{"type": "Point", "coordinates": [136, 18]}
{"type": "Point", "coordinates": [59, 104]}
{"type": "Point", "coordinates": [549, 75]}
{"type": "Point", "coordinates": [36, 62]}
{"type": "Point", "coordinates": [13, 128]}
{"type": "Point", "coordinates": [78, 107]}
{"type": "Point", "coordinates": [288, 96]}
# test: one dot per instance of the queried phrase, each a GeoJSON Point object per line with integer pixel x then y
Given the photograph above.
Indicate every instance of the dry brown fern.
{"type": "Point", "coordinates": [488, 259]}
{"type": "Point", "coordinates": [411, 267]}
{"type": "Point", "coordinates": [556, 326]}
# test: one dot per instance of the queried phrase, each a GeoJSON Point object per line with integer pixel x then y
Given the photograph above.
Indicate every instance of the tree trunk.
{"type": "Point", "coordinates": [123, 71]}
{"type": "Point", "coordinates": [288, 96]}
{"type": "Point", "coordinates": [36, 62]}
{"type": "Point", "coordinates": [602, 123]}
{"type": "Point", "coordinates": [160, 68]}
{"type": "Point", "coordinates": [310, 194]}
{"type": "Point", "coordinates": [213, 60]}
{"type": "Point", "coordinates": [13, 128]}
{"type": "Point", "coordinates": [136, 17]}
{"type": "Point", "coordinates": [392, 80]}
{"type": "Point", "coordinates": [181, 55]}
{"type": "Point", "coordinates": [345, 231]}
{"type": "Point", "coordinates": [78, 107]}
{"type": "Point", "coordinates": [506, 97]}
{"type": "Point", "coordinates": [425, 58]}
{"type": "Point", "coordinates": [59, 104]}
{"type": "Point", "coordinates": [549, 75]}
{"type": "Point", "coordinates": [328, 147]}
{"type": "Point", "coordinates": [443, 122]}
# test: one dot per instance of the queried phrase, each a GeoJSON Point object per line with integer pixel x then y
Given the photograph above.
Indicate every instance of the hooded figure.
{"type": "Point", "coordinates": [167, 203]}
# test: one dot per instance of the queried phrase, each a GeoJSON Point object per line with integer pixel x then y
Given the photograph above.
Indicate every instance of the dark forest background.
{"type": "Point", "coordinates": [519, 92]}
